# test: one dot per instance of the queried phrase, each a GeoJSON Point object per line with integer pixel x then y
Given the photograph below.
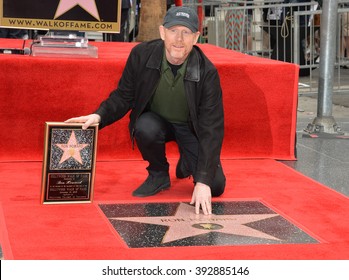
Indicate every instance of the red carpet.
{"type": "Point", "coordinates": [260, 101]}
{"type": "Point", "coordinates": [30, 230]}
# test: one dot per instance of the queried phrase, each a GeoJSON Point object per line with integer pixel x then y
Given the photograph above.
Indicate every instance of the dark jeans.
{"type": "Point", "coordinates": [152, 133]}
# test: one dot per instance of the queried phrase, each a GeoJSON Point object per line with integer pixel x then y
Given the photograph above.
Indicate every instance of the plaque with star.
{"type": "Point", "coordinates": [69, 163]}
{"type": "Point", "coordinates": [72, 15]}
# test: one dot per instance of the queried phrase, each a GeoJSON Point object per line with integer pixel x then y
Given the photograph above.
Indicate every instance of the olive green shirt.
{"type": "Point", "coordinates": [169, 99]}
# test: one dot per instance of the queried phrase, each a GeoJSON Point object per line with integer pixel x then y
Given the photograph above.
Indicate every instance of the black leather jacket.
{"type": "Point", "coordinates": [203, 91]}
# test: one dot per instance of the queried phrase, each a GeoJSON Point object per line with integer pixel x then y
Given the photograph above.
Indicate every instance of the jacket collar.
{"type": "Point", "coordinates": [193, 66]}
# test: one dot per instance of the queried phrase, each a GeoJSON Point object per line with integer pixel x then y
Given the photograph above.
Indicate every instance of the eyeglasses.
{"type": "Point", "coordinates": [183, 33]}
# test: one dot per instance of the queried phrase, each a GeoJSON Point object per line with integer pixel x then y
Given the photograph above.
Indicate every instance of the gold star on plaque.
{"type": "Point", "coordinates": [71, 149]}
{"type": "Point", "coordinates": [186, 224]}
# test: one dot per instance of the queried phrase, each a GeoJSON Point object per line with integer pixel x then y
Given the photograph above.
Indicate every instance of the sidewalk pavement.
{"type": "Point", "coordinates": [308, 105]}
{"type": "Point", "coordinates": [322, 159]}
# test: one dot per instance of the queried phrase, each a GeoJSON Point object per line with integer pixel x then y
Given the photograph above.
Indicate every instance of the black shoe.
{"type": "Point", "coordinates": [182, 171]}
{"type": "Point", "coordinates": [153, 184]}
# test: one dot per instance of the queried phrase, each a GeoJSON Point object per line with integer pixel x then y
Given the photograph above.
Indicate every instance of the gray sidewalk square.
{"type": "Point", "coordinates": [324, 160]}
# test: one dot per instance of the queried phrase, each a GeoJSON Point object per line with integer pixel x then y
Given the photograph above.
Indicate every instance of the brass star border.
{"type": "Point", "coordinates": [142, 225]}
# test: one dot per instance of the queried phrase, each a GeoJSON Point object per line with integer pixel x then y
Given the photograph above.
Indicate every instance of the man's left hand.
{"type": "Point", "coordinates": [202, 197]}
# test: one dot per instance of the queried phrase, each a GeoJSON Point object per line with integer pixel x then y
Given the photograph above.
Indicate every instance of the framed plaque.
{"type": "Point", "coordinates": [69, 163]}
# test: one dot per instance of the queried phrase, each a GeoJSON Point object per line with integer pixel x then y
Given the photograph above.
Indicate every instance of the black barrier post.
{"type": "Point", "coordinates": [325, 122]}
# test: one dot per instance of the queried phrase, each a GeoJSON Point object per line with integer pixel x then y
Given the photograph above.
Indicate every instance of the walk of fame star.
{"type": "Point", "coordinates": [182, 224]}
{"type": "Point", "coordinates": [176, 224]}
{"type": "Point", "coordinates": [88, 5]}
{"type": "Point", "coordinates": [71, 149]}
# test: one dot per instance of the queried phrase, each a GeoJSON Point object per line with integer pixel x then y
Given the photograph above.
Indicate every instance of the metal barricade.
{"type": "Point", "coordinates": [272, 29]}
{"type": "Point", "coordinates": [312, 51]}
{"type": "Point", "coordinates": [265, 29]}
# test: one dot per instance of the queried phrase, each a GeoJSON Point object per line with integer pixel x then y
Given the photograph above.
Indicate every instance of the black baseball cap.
{"type": "Point", "coordinates": [184, 16]}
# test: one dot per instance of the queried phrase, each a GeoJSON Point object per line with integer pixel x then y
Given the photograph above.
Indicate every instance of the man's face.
{"type": "Point", "coordinates": [179, 41]}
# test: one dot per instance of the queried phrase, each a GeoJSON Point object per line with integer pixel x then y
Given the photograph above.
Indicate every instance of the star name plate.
{"type": "Point", "coordinates": [69, 163]}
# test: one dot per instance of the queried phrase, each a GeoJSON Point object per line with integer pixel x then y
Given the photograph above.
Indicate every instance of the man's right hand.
{"type": "Point", "coordinates": [86, 120]}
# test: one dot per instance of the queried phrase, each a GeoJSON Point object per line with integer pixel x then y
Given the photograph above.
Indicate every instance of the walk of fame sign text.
{"type": "Point", "coordinates": [72, 15]}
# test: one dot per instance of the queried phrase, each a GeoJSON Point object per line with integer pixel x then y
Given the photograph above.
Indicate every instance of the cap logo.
{"type": "Point", "coordinates": [182, 14]}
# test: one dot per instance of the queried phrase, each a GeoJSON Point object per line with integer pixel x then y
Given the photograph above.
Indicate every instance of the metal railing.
{"type": "Point", "coordinates": [283, 31]}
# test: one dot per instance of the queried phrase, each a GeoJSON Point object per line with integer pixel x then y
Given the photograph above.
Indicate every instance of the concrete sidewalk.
{"type": "Point", "coordinates": [324, 160]}
{"type": "Point", "coordinates": [308, 105]}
